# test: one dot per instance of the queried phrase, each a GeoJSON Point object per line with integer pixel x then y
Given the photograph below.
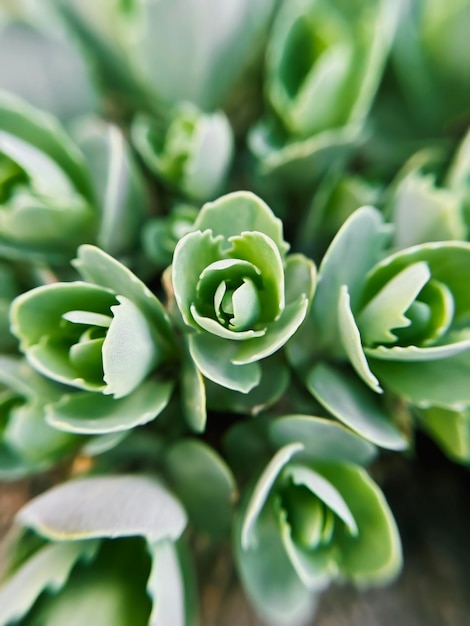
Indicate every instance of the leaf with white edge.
{"type": "Point", "coordinates": [45, 174]}
{"type": "Point", "coordinates": [213, 356]}
{"type": "Point", "coordinates": [387, 309]}
{"type": "Point", "coordinates": [442, 382]}
{"type": "Point", "coordinates": [39, 312]}
{"type": "Point", "coordinates": [275, 380]}
{"type": "Point", "coordinates": [300, 276]}
{"type": "Point", "coordinates": [449, 429]}
{"type": "Point", "coordinates": [102, 592]}
{"type": "Point", "coordinates": [423, 212]}
{"type": "Point", "coordinates": [95, 414]}
{"type": "Point", "coordinates": [193, 392]}
{"type": "Point", "coordinates": [315, 568]}
{"type": "Point", "coordinates": [129, 352]}
{"type": "Point", "coordinates": [262, 491]}
{"type": "Point", "coordinates": [352, 343]}
{"type": "Point", "coordinates": [323, 440]}
{"type": "Point", "coordinates": [166, 586]}
{"type": "Point", "coordinates": [193, 254]}
{"type": "Point", "coordinates": [239, 212]}
{"type": "Point", "coordinates": [277, 334]}
{"type": "Point", "coordinates": [204, 484]}
{"type": "Point", "coordinates": [374, 557]}
{"type": "Point", "coordinates": [100, 507]}
{"type": "Point", "coordinates": [353, 252]}
{"type": "Point", "coordinates": [119, 185]}
{"type": "Point", "coordinates": [325, 491]}
{"type": "Point", "coordinates": [97, 267]}
{"type": "Point", "coordinates": [43, 132]}
{"type": "Point", "coordinates": [449, 262]}
{"type": "Point", "coordinates": [46, 570]}
{"type": "Point", "coordinates": [267, 574]}
{"type": "Point", "coordinates": [258, 249]}
{"type": "Point", "coordinates": [350, 402]}
{"type": "Point", "coordinates": [456, 342]}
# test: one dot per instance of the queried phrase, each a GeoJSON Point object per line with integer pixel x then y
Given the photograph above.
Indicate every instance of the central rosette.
{"type": "Point", "coordinates": [229, 279]}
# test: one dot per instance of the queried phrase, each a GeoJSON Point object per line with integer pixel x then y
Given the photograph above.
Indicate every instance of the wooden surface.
{"type": "Point", "coordinates": [431, 502]}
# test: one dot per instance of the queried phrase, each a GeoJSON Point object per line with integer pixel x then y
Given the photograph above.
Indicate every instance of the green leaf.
{"type": "Point", "coordinates": [166, 586]}
{"type": "Point", "coordinates": [110, 506]}
{"type": "Point", "coordinates": [214, 358]}
{"type": "Point", "coordinates": [269, 579]}
{"type": "Point", "coordinates": [374, 557]}
{"type": "Point", "coordinates": [423, 212]}
{"type": "Point", "coordinates": [350, 402]}
{"type": "Point", "coordinates": [99, 268]}
{"type": "Point", "coordinates": [44, 133]}
{"type": "Point", "coordinates": [129, 353]}
{"type": "Point", "coordinates": [46, 570]}
{"type": "Point", "coordinates": [325, 491]}
{"type": "Point", "coordinates": [449, 262]}
{"type": "Point", "coordinates": [94, 413]}
{"type": "Point", "coordinates": [352, 343]}
{"type": "Point", "coordinates": [102, 591]}
{"type": "Point", "coordinates": [322, 440]}
{"type": "Point", "coordinates": [118, 185]}
{"type": "Point", "coordinates": [239, 212]}
{"type": "Point", "coordinates": [193, 392]}
{"type": "Point", "coordinates": [261, 493]}
{"type": "Point", "coordinates": [353, 252]}
{"type": "Point", "coordinates": [204, 484]}
{"type": "Point", "coordinates": [456, 342]}
{"type": "Point", "coordinates": [387, 309]}
{"type": "Point", "coordinates": [442, 383]}
{"type": "Point", "coordinates": [192, 255]}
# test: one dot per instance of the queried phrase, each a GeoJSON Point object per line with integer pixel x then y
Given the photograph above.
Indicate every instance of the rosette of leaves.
{"type": "Point", "coordinates": [430, 56]}
{"type": "Point", "coordinates": [400, 321]}
{"type": "Point", "coordinates": [107, 336]}
{"type": "Point", "coordinates": [313, 516]}
{"type": "Point", "coordinates": [236, 289]}
{"type": "Point", "coordinates": [131, 47]}
{"type": "Point", "coordinates": [324, 62]}
{"type": "Point", "coordinates": [46, 198]}
{"type": "Point", "coordinates": [28, 444]}
{"type": "Point", "coordinates": [191, 151]}
{"type": "Point", "coordinates": [426, 205]}
{"type": "Point", "coordinates": [81, 540]}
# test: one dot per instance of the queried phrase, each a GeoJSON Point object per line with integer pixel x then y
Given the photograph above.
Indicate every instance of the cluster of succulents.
{"type": "Point", "coordinates": [223, 294]}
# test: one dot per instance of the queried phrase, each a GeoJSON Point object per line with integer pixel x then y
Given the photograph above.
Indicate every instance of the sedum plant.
{"type": "Point", "coordinates": [191, 386]}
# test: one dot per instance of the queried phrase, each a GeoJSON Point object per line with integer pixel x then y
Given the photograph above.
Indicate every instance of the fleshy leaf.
{"type": "Point", "coordinates": [261, 493]}
{"type": "Point", "coordinates": [351, 341]}
{"type": "Point", "coordinates": [93, 413]}
{"type": "Point", "coordinates": [193, 395]}
{"type": "Point", "coordinates": [214, 358]}
{"type": "Point", "coordinates": [166, 586]}
{"type": "Point", "coordinates": [46, 570]}
{"type": "Point", "coordinates": [350, 402]}
{"type": "Point", "coordinates": [210, 506]}
{"type": "Point", "coordinates": [450, 430]}
{"type": "Point", "coordinates": [374, 557]}
{"type": "Point", "coordinates": [110, 506]}
{"type": "Point", "coordinates": [387, 309]}
{"type": "Point", "coordinates": [238, 212]}
{"type": "Point", "coordinates": [129, 353]}
{"type": "Point", "coordinates": [323, 440]}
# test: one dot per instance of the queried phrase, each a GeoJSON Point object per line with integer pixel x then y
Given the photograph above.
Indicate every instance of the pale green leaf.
{"type": "Point", "coordinates": [214, 358]}
{"type": "Point", "coordinates": [450, 430]}
{"type": "Point", "coordinates": [204, 483]}
{"type": "Point", "coordinates": [322, 440]}
{"type": "Point", "coordinates": [166, 586]}
{"type": "Point", "coordinates": [93, 413]}
{"type": "Point", "coordinates": [350, 402]}
{"type": "Point", "coordinates": [193, 395]}
{"type": "Point", "coordinates": [110, 506]}
{"type": "Point", "coordinates": [46, 570]}
{"type": "Point", "coordinates": [352, 343]}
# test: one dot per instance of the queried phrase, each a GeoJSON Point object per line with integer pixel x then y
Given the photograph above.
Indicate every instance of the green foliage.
{"type": "Point", "coordinates": [222, 131]}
